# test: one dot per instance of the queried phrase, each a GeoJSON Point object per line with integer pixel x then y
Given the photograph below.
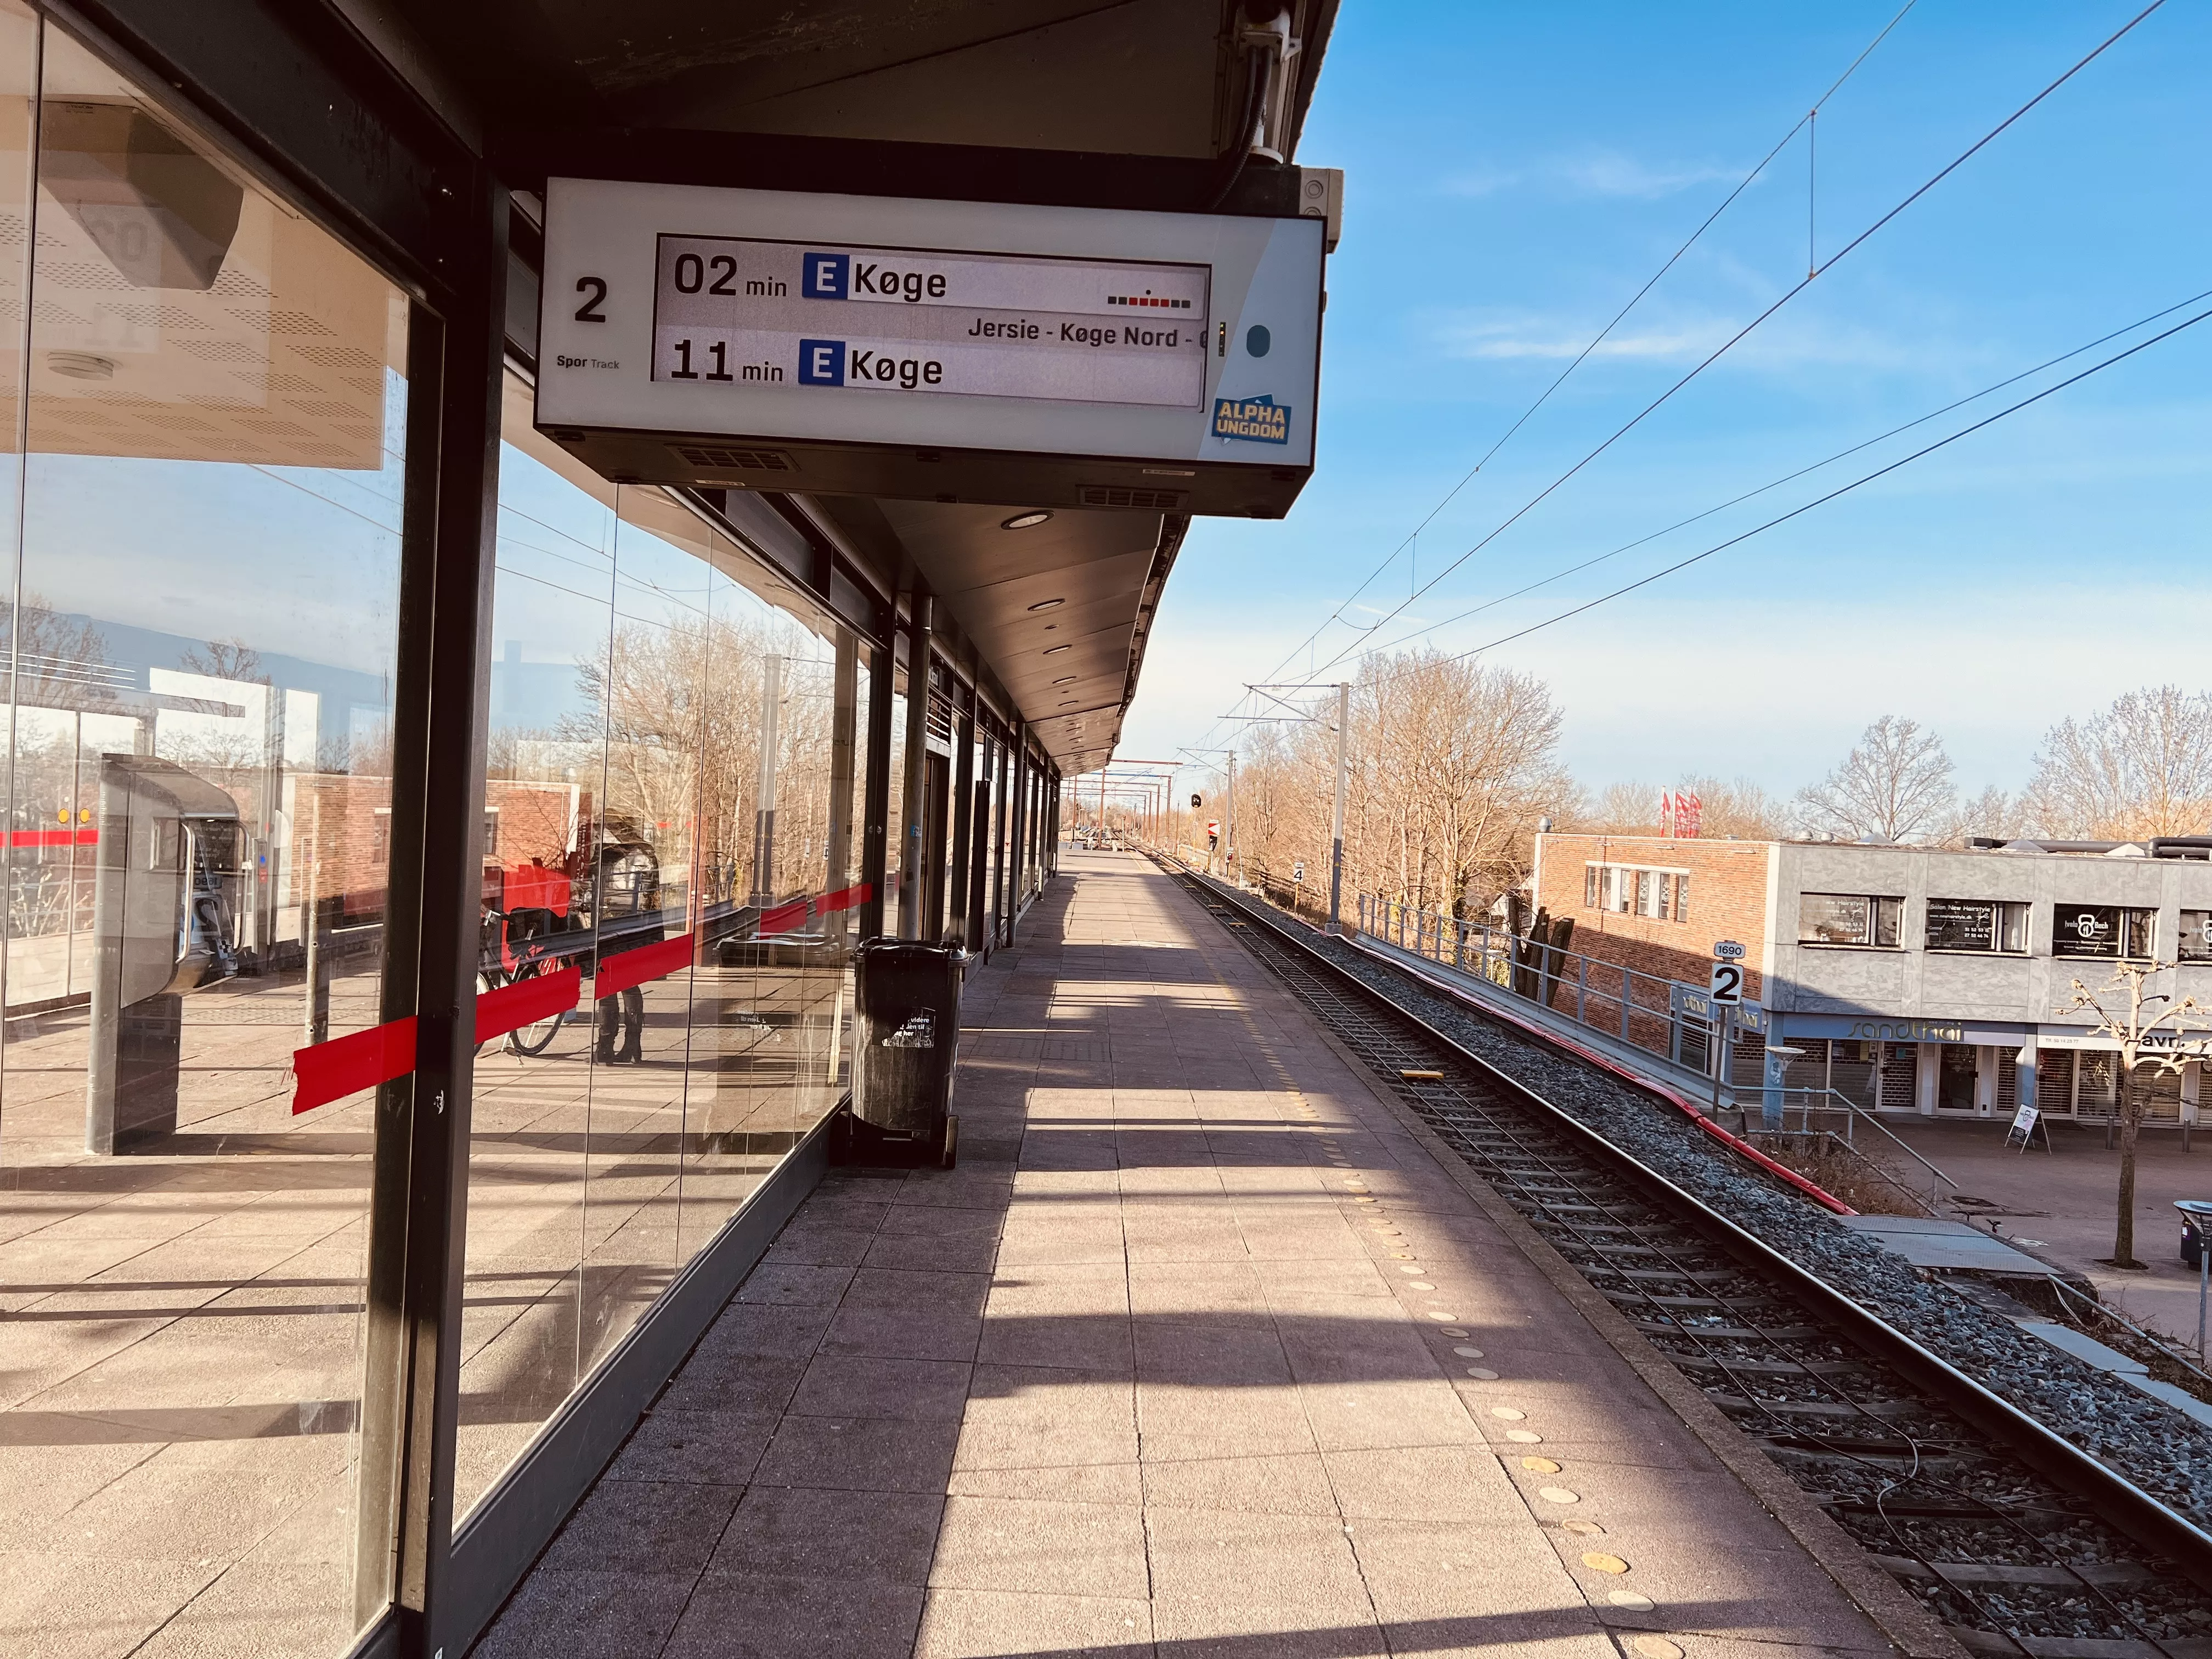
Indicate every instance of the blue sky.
{"type": "Point", "coordinates": [1514, 173]}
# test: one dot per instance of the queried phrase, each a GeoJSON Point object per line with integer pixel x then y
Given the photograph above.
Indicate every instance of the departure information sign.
{"type": "Point", "coordinates": [763, 313]}
{"type": "Point", "coordinates": [947, 352]}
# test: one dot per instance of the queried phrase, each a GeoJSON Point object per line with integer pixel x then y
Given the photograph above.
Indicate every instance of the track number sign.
{"type": "Point", "coordinates": [1726, 986]}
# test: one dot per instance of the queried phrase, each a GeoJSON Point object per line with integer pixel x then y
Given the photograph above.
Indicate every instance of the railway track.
{"type": "Point", "coordinates": [2020, 1542]}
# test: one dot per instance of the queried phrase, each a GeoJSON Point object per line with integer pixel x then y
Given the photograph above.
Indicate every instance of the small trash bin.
{"type": "Point", "coordinates": [2195, 1214]}
{"type": "Point", "coordinates": [907, 997]}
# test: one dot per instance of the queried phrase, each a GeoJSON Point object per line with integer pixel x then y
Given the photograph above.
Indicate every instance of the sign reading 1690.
{"type": "Point", "coordinates": [769, 314]}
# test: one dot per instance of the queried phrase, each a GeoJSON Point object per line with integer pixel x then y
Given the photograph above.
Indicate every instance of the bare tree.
{"type": "Point", "coordinates": [1895, 783]}
{"type": "Point", "coordinates": [1993, 813]}
{"type": "Point", "coordinates": [1453, 763]}
{"type": "Point", "coordinates": [2148, 1035]}
{"type": "Point", "coordinates": [2142, 767]}
{"type": "Point", "coordinates": [1621, 809]}
{"type": "Point", "coordinates": [225, 660]}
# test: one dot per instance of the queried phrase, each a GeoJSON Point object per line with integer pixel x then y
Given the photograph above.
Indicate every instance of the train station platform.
{"type": "Point", "coordinates": [1200, 1352]}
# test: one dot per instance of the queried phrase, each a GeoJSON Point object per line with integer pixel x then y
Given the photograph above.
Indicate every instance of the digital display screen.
{"type": "Point", "coordinates": [768, 315]}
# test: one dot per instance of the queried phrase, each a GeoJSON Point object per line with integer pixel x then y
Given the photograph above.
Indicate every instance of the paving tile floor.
{"type": "Point", "coordinates": [1197, 1354]}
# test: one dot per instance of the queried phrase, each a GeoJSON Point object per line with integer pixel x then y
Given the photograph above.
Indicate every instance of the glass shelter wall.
{"type": "Point", "coordinates": [203, 465]}
{"type": "Point", "coordinates": [201, 620]}
{"type": "Point", "coordinates": [672, 769]}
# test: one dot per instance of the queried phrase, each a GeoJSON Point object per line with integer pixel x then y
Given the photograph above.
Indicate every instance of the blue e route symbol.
{"type": "Point", "coordinates": [824, 276]}
{"type": "Point", "coordinates": [822, 363]}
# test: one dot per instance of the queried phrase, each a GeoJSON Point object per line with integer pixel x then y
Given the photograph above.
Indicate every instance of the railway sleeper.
{"type": "Point", "coordinates": [1889, 1409]}
{"type": "Point", "coordinates": [1774, 1367]}
{"type": "Point", "coordinates": [2101, 1573]}
{"type": "Point", "coordinates": [2076, 1647]}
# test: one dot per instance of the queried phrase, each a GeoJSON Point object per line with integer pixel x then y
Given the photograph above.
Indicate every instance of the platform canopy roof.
{"type": "Point", "coordinates": [1139, 104]}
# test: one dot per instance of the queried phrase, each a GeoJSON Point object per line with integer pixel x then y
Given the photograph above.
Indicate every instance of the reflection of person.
{"type": "Point", "coordinates": [623, 1015]}
{"type": "Point", "coordinates": [628, 899]}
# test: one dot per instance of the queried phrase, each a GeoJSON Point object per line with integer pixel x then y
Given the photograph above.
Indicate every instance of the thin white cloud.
{"type": "Point", "coordinates": [1788, 343]}
{"type": "Point", "coordinates": [1595, 173]}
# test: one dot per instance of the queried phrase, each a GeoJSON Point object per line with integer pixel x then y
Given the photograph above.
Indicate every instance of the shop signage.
{"type": "Point", "coordinates": [1687, 1002]}
{"type": "Point", "coordinates": [1871, 1028]}
{"type": "Point", "coordinates": [975, 351]}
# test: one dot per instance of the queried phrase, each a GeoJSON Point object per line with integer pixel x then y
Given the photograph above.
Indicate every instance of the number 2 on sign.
{"type": "Point", "coordinates": [1727, 986]}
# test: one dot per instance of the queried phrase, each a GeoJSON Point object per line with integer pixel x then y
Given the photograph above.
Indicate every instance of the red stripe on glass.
{"type": "Point", "coordinates": [345, 1065]}
{"type": "Point", "coordinates": [526, 1001]}
{"type": "Point", "coordinates": [619, 973]}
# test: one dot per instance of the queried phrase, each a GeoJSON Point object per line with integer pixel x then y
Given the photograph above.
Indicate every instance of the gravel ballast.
{"type": "Point", "coordinates": [2163, 1451]}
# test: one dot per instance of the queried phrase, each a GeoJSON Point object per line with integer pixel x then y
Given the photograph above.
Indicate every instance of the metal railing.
{"type": "Point", "coordinates": [1817, 1100]}
{"type": "Point", "coordinates": [1637, 1008]}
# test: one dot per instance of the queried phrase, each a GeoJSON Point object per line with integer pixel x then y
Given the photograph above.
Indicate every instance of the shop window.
{"type": "Point", "coordinates": [1986, 925]}
{"type": "Point", "coordinates": [2194, 943]}
{"type": "Point", "coordinates": [1850, 918]}
{"type": "Point", "coordinates": [2102, 930]}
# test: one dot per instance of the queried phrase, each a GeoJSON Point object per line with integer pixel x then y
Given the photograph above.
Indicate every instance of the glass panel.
{"type": "Point", "coordinates": [2139, 934]}
{"type": "Point", "coordinates": [2195, 941]}
{"type": "Point", "coordinates": [1681, 898]}
{"type": "Point", "coordinates": [2097, 1082]}
{"type": "Point", "coordinates": [204, 657]}
{"type": "Point", "coordinates": [2085, 930]}
{"type": "Point", "coordinates": [1832, 919]}
{"type": "Point", "coordinates": [2012, 924]}
{"type": "Point", "coordinates": [649, 683]}
{"type": "Point", "coordinates": [895, 831]}
{"type": "Point", "coordinates": [1961, 924]}
{"type": "Point", "coordinates": [545, 782]}
{"type": "Point", "coordinates": [1889, 922]}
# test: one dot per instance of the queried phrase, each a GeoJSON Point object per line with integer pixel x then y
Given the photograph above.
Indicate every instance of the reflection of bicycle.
{"type": "Point", "coordinates": [518, 952]}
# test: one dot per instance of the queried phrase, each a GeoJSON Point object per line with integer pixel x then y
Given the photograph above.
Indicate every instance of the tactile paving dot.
{"type": "Point", "coordinates": [1482, 1373]}
{"type": "Point", "coordinates": [1632, 1601]}
{"type": "Point", "coordinates": [1468, 1353]}
{"type": "Point", "coordinates": [1539, 1466]}
{"type": "Point", "coordinates": [1599, 1561]}
{"type": "Point", "coordinates": [1453, 1330]}
{"type": "Point", "coordinates": [1510, 1413]}
{"type": "Point", "coordinates": [1363, 1200]}
{"type": "Point", "coordinates": [1583, 1529]}
{"type": "Point", "coordinates": [1559, 1495]}
{"type": "Point", "coordinates": [1525, 1436]}
{"type": "Point", "coordinates": [1649, 1647]}
{"type": "Point", "coordinates": [1434, 1313]}
{"type": "Point", "coordinates": [1409, 1270]}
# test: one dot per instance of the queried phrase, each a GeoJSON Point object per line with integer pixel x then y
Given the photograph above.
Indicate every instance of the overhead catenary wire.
{"type": "Point", "coordinates": [1789, 294]}
{"type": "Point", "coordinates": [1788, 477]}
{"type": "Point", "coordinates": [1413, 536]}
{"type": "Point", "coordinates": [1841, 489]}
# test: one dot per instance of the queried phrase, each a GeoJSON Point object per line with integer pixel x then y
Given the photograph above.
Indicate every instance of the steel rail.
{"type": "Point", "coordinates": [2115, 1499]}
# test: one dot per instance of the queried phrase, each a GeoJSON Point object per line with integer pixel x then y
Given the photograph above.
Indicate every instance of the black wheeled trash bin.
{"type": "Point", "coordinates": [907, 995]}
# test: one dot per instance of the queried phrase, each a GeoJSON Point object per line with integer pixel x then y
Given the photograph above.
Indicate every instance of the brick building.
{"type": "Point", "coordinates": [1911, 978]}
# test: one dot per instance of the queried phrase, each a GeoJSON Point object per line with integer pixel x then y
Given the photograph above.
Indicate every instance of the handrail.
{"type": "Point", "coordinates": [1879, 1170]}
{"type": "Point", "coordinates": [2104, 1310]}
{"type": "Point", "coordinates": [1607, 996]}
{"type": "Point", "coordinates": [1938, 1179]}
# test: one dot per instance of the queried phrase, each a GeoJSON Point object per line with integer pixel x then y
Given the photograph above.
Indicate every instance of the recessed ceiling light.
{"type": "Point", "coordinates": [1024, 520]}
{"type": "Point", "coordinates": [1065, 680]}
{"type": "Point", "coordinates": [1055, 650]}
{"type": "Point", "coordinates": [1048, 605]}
